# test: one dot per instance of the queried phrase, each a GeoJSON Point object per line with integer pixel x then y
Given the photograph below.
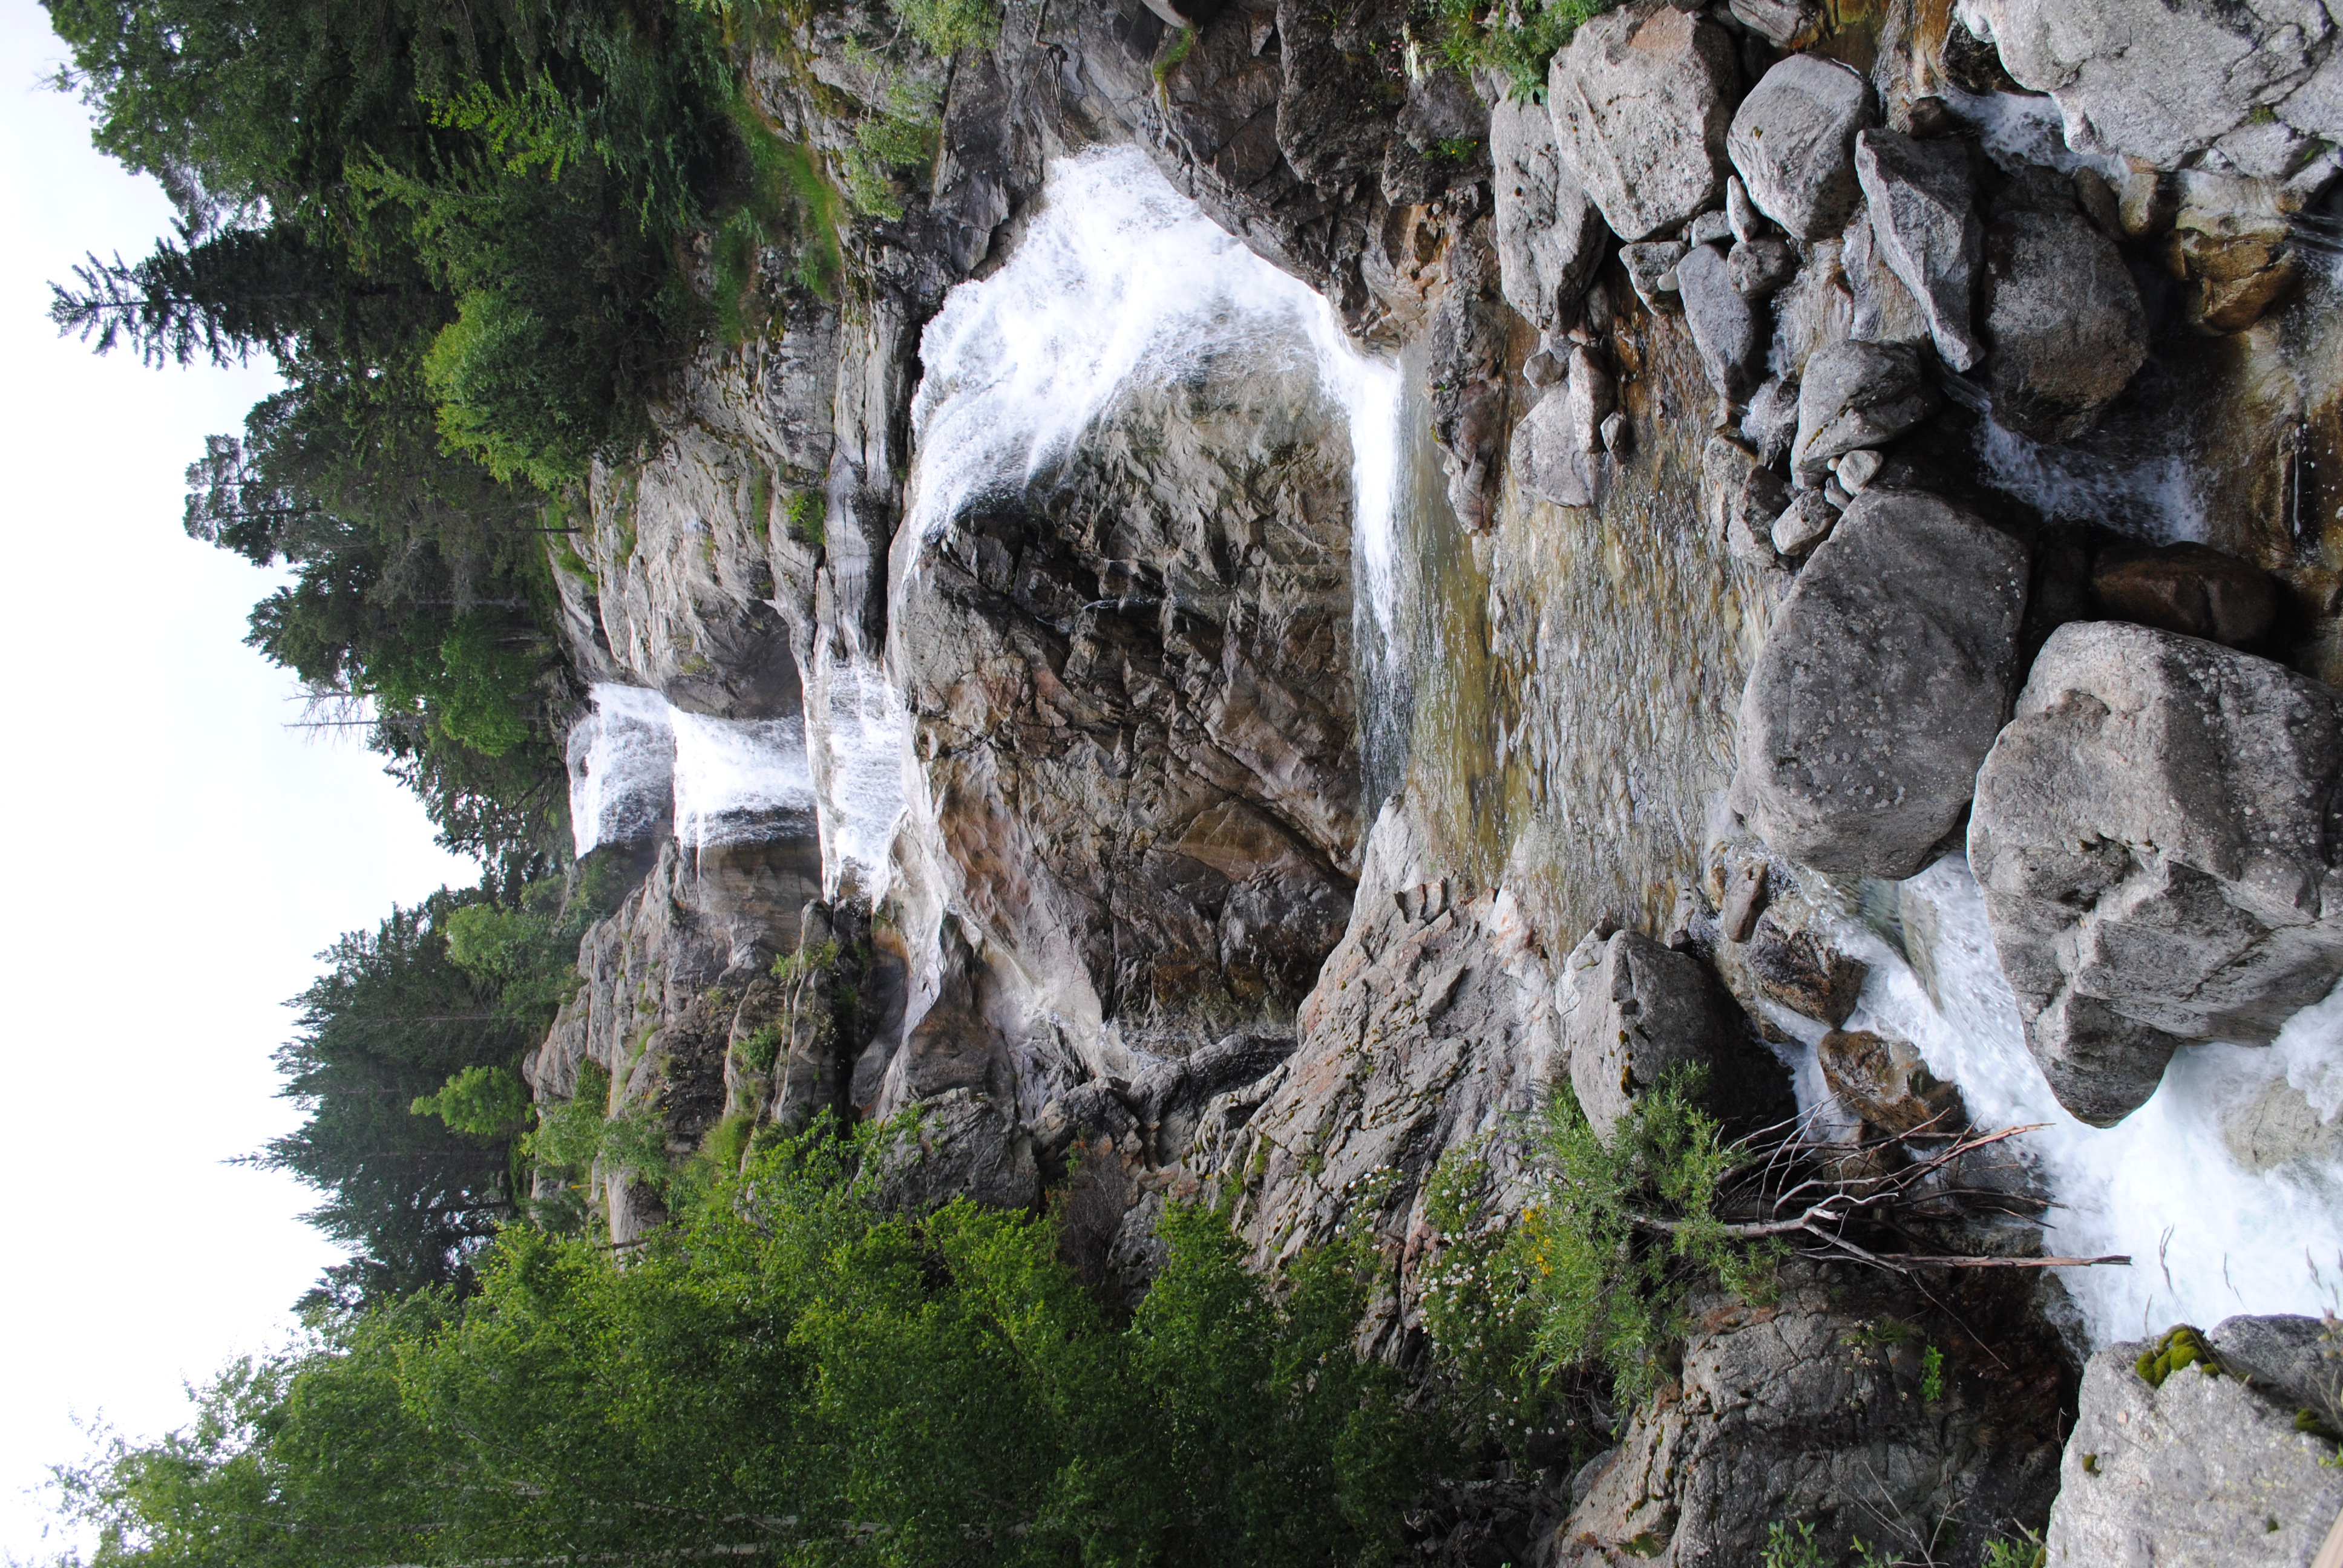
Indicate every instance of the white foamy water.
{"type": "Point", "coordinates": [863, 750]}
{"type": "Point", "coordinates": [1122, 280]}
{"type": "Point", "coordinates": [2208, 1236]}
{"type": "Point", "coordinates": [638, 760]}
{"type": "Point", "coordinates": [621, 768]}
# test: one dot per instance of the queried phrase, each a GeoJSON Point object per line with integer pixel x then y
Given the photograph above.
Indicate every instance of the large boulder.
{"type": "Point", "coordinates": [1857, 396]}
{"type": "Point", "coordinates": [1639, 1011]}
{"type": "Point", "coordinates": [1793, 139]}
{"type": "Point", "coordinates": [2186, 588]}
{"type": "Point", "coordinates": [1557, 446]}
{"type": "Point", "coordinates": [1925, 227]}
{"type": "Point", "coordinates": [1641, 99]}
{"type": "Point", "coordinates": [1881, 686]}
{"type": "Point", "coordinates": [2152, 835]}
{"type": "Point", "coordinates": [2167, 81]}
{"type": "Point", "coordinates": [2195, 1470]}
{"type": "Point", "coordinates": [1549, 234]}
{"type": "Point", "coordinates": [2061, 313]}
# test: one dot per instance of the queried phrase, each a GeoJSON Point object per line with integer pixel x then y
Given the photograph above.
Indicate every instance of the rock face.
{"type": "Point", "coordinates": [1806, 1411]}
{"type": "Point", "coordinates": [1130, 697]}
{"type": "Point", "coordinates": [1882, 685]}
{"type": "Point", "coordinates": [2153, 834]}
{"type": "Point", "coordinates": [2061, 313]}
{"type": "Point", "coordinates": [1550, 238]}
{"type": "Point", "coordinates": [1928, 230]}
{"type": "Point", "coordinates": [2187, 588]}
{"type": "Point", "coordinates": [1557, 448]}
{"type": "Point", "coordinates": [1641, 100]}
{"type": "Point", "coordinates": [1793, 139]}
{"type": "Point", "coordinates": [2199, 1470]}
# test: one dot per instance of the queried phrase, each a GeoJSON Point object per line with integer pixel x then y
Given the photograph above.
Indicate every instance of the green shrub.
{"type": "Point", "coordinates": [760, 1048]}
{"type": "Point", "coordinates": [1516, 41]}
{"type": "Point", "coordinates": [1594, 1271]}
{"type": "Point", "coordinates": [948, 26]}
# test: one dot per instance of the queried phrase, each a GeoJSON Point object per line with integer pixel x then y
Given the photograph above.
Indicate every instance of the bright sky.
{"type": "Point", "coordinates": [180, 854]}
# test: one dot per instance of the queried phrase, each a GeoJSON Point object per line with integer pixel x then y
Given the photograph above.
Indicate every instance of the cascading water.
{"type": "Point", "coordinates": [638, 760]}
{"type": "Point", "coordinates": [1122, 280]}
{"type": "Point", "coordinates": [2208, 1236]}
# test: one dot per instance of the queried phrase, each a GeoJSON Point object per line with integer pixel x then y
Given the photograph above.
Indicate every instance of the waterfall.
{"type": "Point", "coordinates": [2208, 1236]}
{"type": "Point", "coordinates": [637, 762]}
{"type": "Point", "coordinates": [1122, 280]}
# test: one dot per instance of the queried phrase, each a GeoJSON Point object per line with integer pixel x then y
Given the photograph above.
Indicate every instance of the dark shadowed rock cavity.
{"type": "Point", "coordinates": [1640, 102]}
{"type": "Point", "coordinates": [1793, 139]}
{"type": "Point", "coordinates": [2190, 588]}
{"type": "Point", "coordinates": [2062, 316]}
{"type": "Point", "coordinates": [2154, 837]}
{"type": "Point", "coordinates": [1925, 227]}
{"type": "Point", "coordinates": [1883, 682]}
{"type": "Point", "coordinates": [1855, 396]}
{"type": "Point", "coordinates": [1742, 498]}
{"type": "Point", "coordinates": [2200, 1469]}
{"type": "Point", "coordinates": [1550, 238]}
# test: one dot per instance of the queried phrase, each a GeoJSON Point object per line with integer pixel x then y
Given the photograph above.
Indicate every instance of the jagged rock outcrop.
{"type": "Point", "coordinates": [2154, 836]}
{"type": "Point", "coordinates": [1882, 685]}
{"type": "Point", "coordinates": [1923, 218]}
{"type": "Point", "coordinates": [2199, 1467]}
{"type": "Point", "coordinates": [1811, 1410]}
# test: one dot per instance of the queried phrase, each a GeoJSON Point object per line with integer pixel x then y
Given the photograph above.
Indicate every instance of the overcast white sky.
{"type": "Point", "coordinates": [179, 855]}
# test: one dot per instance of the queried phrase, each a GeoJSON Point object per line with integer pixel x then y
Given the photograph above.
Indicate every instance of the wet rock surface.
{"type": "Point", "coordinates": [2187, 588]}
{"type": "Point", "coordinates": [2152, 834]}
{"type": "Point", "coordinates": [1882, 686]}
{"type": "Point", "coordinates": [2060, 313]}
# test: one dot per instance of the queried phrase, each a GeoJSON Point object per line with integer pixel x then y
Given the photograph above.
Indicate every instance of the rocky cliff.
{"type": "Point", "coordinates": [1272, 743]}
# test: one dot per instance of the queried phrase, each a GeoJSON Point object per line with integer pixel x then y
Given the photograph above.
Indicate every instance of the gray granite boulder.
{"type": "Point", "coordinates": [2199, 1471]}
{"type": "Point", "coordinates": [1881, 686]}
{"type": "Point", "coordinates": [1556, 446]}
{"type": "Point", "coordinates": [1728, 326]}
{"type": "Point", "coordinates": [1550, 238]}
{"type": "Point", "coordinates": [1857, 396]}
{"type": "Point", "coordinates": [1636, 1010]}
{"type": "Point", "coordinates": [1926, 229]}
{"type": "Point", "coordinates": [2239, 87]}
{"type": "Point", "coordinates": [2154, 836]}
{"type": "Point", "coordinates": [2061, 313]}
{"type": "Point", "coordinates": [1640, 101]}
{"type": "Point", "coordinates": [1793, 139]}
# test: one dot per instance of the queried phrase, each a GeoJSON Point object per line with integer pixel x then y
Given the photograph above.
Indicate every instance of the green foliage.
{"type": "Point", "coordinates": [1594, 1273]}
{"type": "Point", "coordinates": [1932, 1374]}
{"type": "Point", "coordinates": [792, 1371]}
{"type": "Point", "coordinates": [1792, 1548]}
{"type": "Point", "coordinates": [900, 136]}
{"type": "Point", "coordinates": [1183, 43]}
{"type": "Point", "coordinates": [1515, 41]}
{"type": "Point", "coordinates": [760, 1048]}
{"type": "Point", "coordinates": [807, 512]}
{"type": "Point", "coordinates": [2027, 1548]}
{"type": "Point", "coordinates": [484, 1101]}
{"type": "Point", "coordinates": [948, 26]}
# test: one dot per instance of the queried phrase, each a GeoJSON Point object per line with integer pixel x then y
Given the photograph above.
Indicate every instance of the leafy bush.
{"type": "Point", "coordinates": [948, 26]}
{"type": "Point", "coordinates": [484, 1101]}
{"type": "Point", "coordinates": [1596, 1270]}
{"type": "Point", "coordinates": [1516, 41]}
{"type": "Point", "coordinates": [793, 1373]}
